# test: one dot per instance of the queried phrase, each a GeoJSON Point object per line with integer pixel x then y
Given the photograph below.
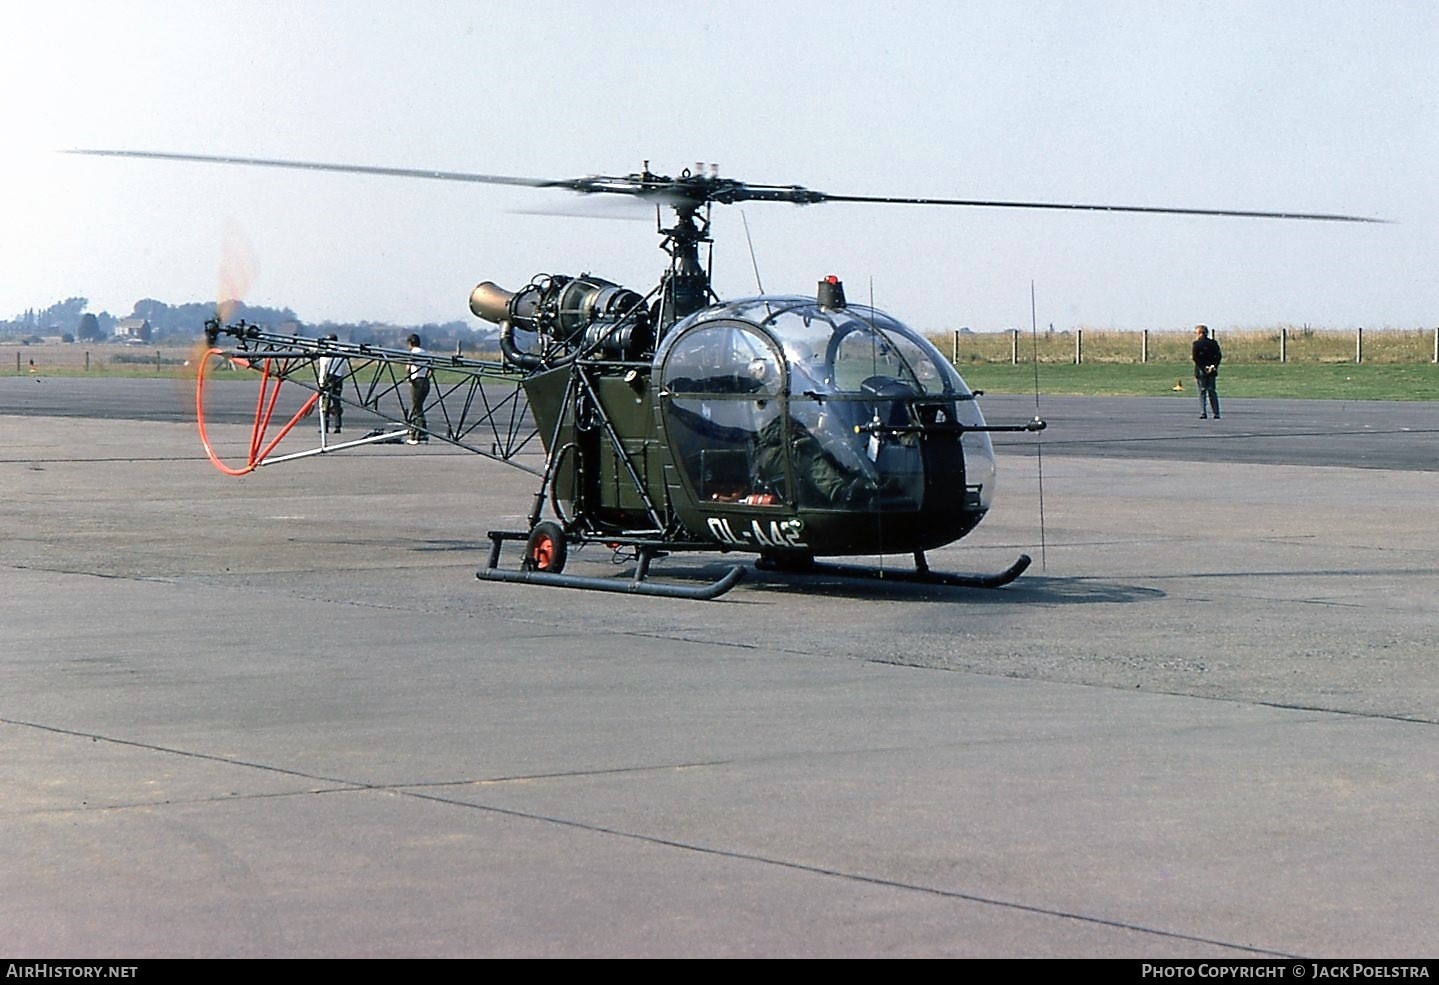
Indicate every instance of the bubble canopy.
{"type": "Point", "coordinates": [787, 401]}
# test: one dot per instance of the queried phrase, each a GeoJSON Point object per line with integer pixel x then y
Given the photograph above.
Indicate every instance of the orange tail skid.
{"type": "Point", "coordinates": [265, 402]}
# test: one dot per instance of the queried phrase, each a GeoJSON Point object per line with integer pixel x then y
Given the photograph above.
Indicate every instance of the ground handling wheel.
{"type": "Point", "coordinates": [546, 550]}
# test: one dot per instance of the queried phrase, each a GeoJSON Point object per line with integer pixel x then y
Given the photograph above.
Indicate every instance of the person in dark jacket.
{"type": "Point", "coordinates": [1206, 370]}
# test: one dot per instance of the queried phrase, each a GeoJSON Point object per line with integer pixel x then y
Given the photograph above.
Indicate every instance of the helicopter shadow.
{"type": "Point", "coordinates": [1029, 589]}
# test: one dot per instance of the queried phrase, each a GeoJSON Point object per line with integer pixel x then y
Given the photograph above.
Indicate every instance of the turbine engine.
{"type": "Point", "coordinates": [567, 315]}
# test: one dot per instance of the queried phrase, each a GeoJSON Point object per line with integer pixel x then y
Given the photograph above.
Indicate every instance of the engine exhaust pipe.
{"type": "Point", "coordinates": [491, 302]}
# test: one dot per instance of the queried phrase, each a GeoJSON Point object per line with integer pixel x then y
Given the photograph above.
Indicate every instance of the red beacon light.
{"type": "Point", "coordinates": [830, 293]}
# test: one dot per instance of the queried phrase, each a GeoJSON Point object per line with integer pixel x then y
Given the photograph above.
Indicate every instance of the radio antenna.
{"type": "Point", "coordinates": [1039, 438]}
{"type": "Point", "coordinates": [754, 261]}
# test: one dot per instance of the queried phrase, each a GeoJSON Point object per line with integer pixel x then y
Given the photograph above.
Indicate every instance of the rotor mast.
{"type": "Point", "coordinates": [685, 287]}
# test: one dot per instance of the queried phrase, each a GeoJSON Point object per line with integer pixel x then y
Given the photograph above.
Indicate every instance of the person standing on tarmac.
{"type": "Point", "coordinates": [331, 371]}
{"type": "Point", "coordinates": [418, 372]}
{"type": "Point", "coordinates": [1206, 370]}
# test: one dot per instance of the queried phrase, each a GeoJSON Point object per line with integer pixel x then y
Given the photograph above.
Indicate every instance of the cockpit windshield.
{"type": "Point", "coordinates": [784, 401]}
{"type": "Point", "coordinates": [830, 350]}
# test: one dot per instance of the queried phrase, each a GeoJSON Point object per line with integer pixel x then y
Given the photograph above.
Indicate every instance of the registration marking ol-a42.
{"type": "Point", "coordinates": [780, 533]}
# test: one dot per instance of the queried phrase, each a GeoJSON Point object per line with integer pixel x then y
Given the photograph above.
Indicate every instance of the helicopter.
{"type": "Point", "coordinates": [791, 427]}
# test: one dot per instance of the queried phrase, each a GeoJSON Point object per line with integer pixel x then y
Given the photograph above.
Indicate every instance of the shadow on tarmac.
{"type": "Point", "coordinates": [1029, 589]}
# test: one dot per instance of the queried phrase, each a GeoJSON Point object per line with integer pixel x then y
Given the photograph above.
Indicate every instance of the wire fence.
{"type": "Point", "coordinates": [1285, 344]}
{"type": "Point", "coordinates": [77, 357]}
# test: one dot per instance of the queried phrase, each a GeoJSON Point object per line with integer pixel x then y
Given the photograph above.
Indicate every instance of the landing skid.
{"type": "Point", "coordinates": [533, 573]}
{"type": "Point", "coordinates": [924, 576]}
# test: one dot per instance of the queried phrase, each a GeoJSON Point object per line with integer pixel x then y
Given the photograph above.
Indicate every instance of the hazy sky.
{"type": "Point", "coordinates": [1296, 106]}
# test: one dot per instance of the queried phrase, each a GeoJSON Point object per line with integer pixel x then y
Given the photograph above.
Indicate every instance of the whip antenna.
{"type": "Point", "coordinates": [754, 261]}
{"type": "Point", "coordinates": [874, 367]}
{"type": "Point", "coordinates": [1039, 439]}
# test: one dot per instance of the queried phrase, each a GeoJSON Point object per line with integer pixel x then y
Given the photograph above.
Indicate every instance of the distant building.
{"type": "Point", "coordinates": [132, 328]}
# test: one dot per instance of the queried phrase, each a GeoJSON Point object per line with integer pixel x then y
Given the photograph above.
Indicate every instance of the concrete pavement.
{"type": "Point", "coordinates": [279, 716]}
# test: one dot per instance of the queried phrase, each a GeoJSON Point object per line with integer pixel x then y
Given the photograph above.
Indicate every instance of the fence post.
{"type": "Point", "coordinates": [1014, 345]}
{"type": "Point", "coordinates": [1284, 344]}
{"type": "Point", "coordinates": [954, 349]}
{"type": "Point", "coordinates": [1144, 346]}
{"type": "Point", "coordinates": [1436, 345]}
{"type": "Point", "coordinates": [1359, 345]}
{"type": "Point", "coordinates": [1078, 346]}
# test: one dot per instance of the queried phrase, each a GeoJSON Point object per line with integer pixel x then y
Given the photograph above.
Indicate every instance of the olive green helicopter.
{"type": "Point", "coordinates": [791, 427]}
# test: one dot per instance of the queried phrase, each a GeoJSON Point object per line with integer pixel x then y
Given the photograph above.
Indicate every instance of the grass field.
{"type": "Point", "coordinates": [1417, 379]}
{"type": "Point", "coordinates": [1287, 344]}
{"type": "Point", "coordinates": [1371, 381]}
{"type": "Point", "coordinates": [57, 359]}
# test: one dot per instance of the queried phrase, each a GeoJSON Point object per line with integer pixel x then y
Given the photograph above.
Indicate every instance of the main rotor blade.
{"type": "Point", "coordinates": [488, 179]}
{"type": "Point", "coordinates": [663, 189]}
{"type": "Point", "coordinates": [1077, 207]}
{"type": "Point", "coordinates": [696, 189]}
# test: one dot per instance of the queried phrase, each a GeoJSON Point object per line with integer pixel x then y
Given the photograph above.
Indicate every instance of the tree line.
{"type": "Point", "coordinates": [70, 321]}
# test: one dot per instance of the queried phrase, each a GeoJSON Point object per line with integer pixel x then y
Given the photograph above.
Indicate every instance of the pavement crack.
{"type": "Point", "coordinates": [1237, 700]}
{"type": "Point", "coordinates": [556, 775]}
{"type": "Point", "coordinates": [333, 784]}
{"type": "Point", "coordinates": [417, 792]}
{"type": "Point", "coordinates": [228, 798]}
{"type": "Point", "coordinates": [186, 753]}
{"type": "Point", "coordinates": [854, 877]}
{"type": "Point", "coordinates": [409, 791]}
